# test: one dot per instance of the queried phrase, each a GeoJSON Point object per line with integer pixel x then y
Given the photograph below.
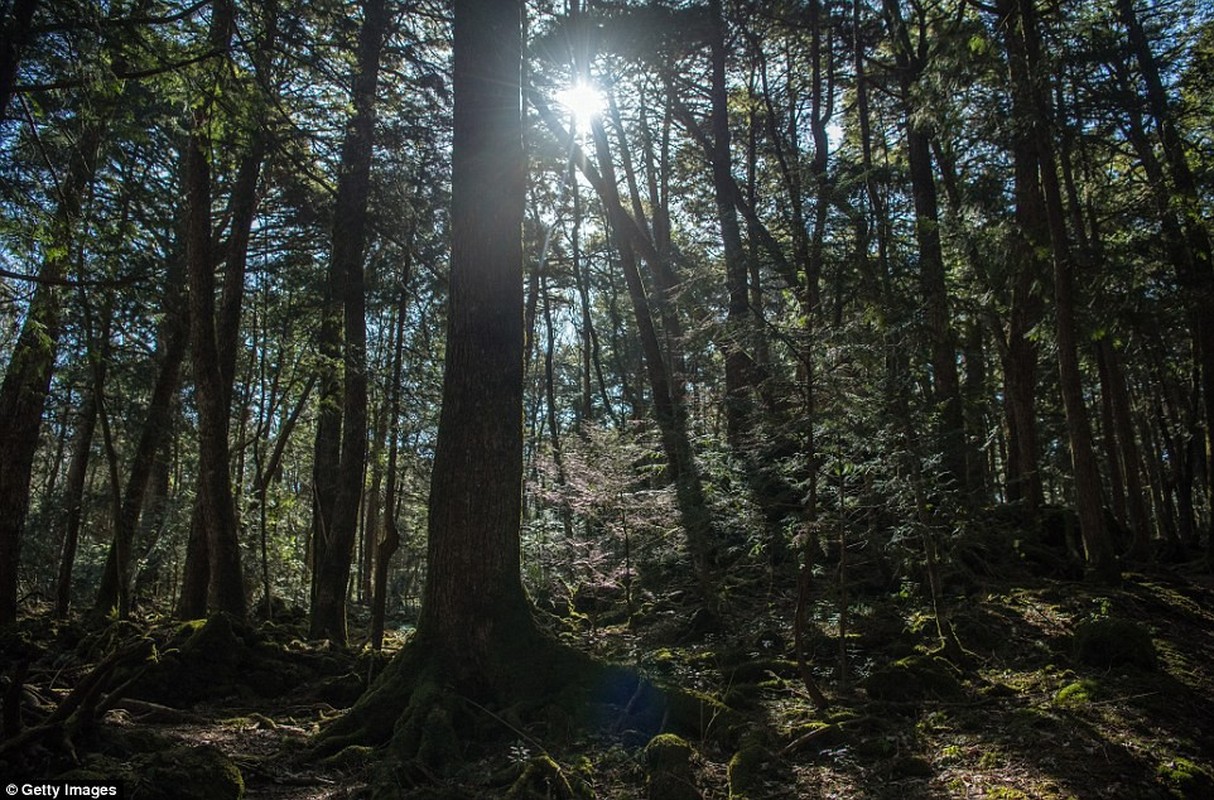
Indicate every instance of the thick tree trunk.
{"type": "Point", "coordinates": [214, 529]}
{"type": "Point", "coordinates": [476, 483]}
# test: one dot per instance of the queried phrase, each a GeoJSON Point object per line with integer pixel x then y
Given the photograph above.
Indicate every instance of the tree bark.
{"type": "Point", "coordinates": [217, 504]}
{"type": "Point", "coordinates": [1098, 550]}
{"type": "Point", "coordinates": [476, 483]}
{"type": "Point", "coordinates": [28, 376]}
{"type": "Point", "coordinates": [157, 425]}
{"type": "Point", "coordinates": [335, 551]}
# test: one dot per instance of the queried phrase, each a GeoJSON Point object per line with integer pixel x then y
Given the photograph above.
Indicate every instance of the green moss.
{"type": "Point", "coordinates": [1077, 694]}
{"type": "Point", "coordinates": [914, 678]}
{"type": "Point", "coordinates": [1004, 793]}
{"type": "Point", "coordinates": [669, 775]}
{"type": "Point", "coordinates": [1185, 779]}
{"type": "Point", "coordinates": [743, 768]}
{"type": "Point", "coordinates": [186, 773]}
{"type": "Point", "coordinates": [989, 759]}
{"type": "Point", "coordinates": [951, 753]}
{"type": "Point", "coordinates": [1110, 642]}
{"type": "Point", "coordinates": [542, 778]}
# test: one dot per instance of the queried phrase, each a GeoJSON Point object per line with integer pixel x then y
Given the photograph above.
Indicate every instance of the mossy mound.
{"type": "Point", "coordinates": [668, 770]}
{"type": "Point", "coordinates": [743, 770]}
{"type": "Point", "coordinates": [176, 772]}
{"type": "Point", "coordinates": [1077, 694]}
{"type": "Point", "coordinates": [916, 677]}
{"type": "Point", "coordinates": [1111, 642]}
{"type": "Point", "coordinates": [216, 658]}
{"type": "Point", "coordinates": [1185, 780]}
{"type": "Point", "coordinates": [186, 773]}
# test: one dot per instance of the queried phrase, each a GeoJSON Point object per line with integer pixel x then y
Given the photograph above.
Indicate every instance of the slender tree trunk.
{"type": "Point", "coordinates": [333, 562]}
{"type": "Point", "coordinates": [942, 341]}
{"type": "Point", "coordinates": [28, 375]}
{"type": "Point", "coordinates": [1098, 550]}
{"type": "Point", "coordinates": [73, 498]}
{"type": "Point", "coordinates": [1129, 456]}
{"type": "Point", "coordinates": [1029, 239]}
{"type": "Point", "coordinates": [739, 369]}
{"type": "Point", "coordinates": [390, 542]}
{"type": "Point", "coordinates": [669, 413]}
{"type": "Point", "coordinates": [1195, 267]}
{"type": "Point", "coordinates": [157, 425]}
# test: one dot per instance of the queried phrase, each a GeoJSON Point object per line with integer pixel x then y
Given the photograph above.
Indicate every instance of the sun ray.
{"type": "Point", "coordinates": [584, 101]}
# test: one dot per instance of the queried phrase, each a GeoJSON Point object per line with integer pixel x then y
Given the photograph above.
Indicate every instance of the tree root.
{"type": "Point", "coordinates": [85, 704]}
{"type": "Point", "coordinates": [428, 719]}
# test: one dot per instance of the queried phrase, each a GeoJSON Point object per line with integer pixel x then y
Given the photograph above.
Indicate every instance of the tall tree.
{"type": "Point", "coordinates": [215, 497]}
{"type": "Point", "coordinates": [911, 55]}
{"type": "Point", "coordinates": [16, 29]}
{"type": "Point", "coordinates": [476, 635]}
{"type": "Point", "coordinates": [28, 375]}
{"type": "Point", "coordinates": [334, 538]}
{"type": "Point", "coordinates": [1098, 549]}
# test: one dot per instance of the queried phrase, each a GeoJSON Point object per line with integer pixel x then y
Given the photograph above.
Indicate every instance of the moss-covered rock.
{"type": "Point", "coordinates": [1185, 780]}
{"type": "Point", "coordinates": [743, 768]}
{"type": "Point", "coordinates": [185, 773]}
{"type": "Point", "coordinates": [914, 678]}
{"type": "Point", "coordinates": [1111, 642]}
{"type": "Point", "coordinates": [669, 774]}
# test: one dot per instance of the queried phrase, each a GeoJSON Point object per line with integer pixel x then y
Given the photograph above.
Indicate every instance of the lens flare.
{"type": "Point", "coordinates": [584, 102]}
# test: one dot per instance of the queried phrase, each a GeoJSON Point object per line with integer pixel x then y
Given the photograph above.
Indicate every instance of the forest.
{"type": "Point", "coordinates": [678, 399]}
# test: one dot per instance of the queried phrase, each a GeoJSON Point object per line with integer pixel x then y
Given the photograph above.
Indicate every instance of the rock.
{"type": "Point", "coordinates": [669, 775]}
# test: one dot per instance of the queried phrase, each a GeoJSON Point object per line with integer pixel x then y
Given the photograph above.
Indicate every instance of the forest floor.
{"type": "Point", "coordinates": [1070, 691]}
